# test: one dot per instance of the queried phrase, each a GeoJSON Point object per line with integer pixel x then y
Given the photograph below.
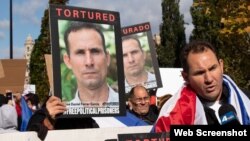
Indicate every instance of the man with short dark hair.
{"type": "Point", "coordinates": [89, 60]}
{"type": "Point", "coordinates": [3, 100]}
{"type": "Point", "coordinates": [206, 90]}
{"type": "Point", "coordinates": [134, 58]}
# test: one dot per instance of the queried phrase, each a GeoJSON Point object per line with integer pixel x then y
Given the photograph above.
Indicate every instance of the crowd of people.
{"type": "Point", "coordinates": [43, 118]}
{"type": "Point", "coordinates": [16, 109]}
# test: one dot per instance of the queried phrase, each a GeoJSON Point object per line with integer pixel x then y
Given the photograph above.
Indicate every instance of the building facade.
{"type": "Point", "coordinates": [29, 44]}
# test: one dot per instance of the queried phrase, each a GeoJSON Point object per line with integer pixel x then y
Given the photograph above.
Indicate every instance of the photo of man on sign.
{"type": "Point", "coordinates": [85, 51]}
{"type": "Point", "coordinates": [88, 58]}
{"type": "Point", "coordinates": [139, 58]}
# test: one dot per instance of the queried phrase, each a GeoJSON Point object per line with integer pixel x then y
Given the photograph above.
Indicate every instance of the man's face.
{"type": "Point", "coordinates": [87, 58]}
{"type": "Point", "coordinates": [140, 102]}
{"type": "Point", "coordinates": [133, 57]}
{"type": "Point", "coordinates": [205, 74]}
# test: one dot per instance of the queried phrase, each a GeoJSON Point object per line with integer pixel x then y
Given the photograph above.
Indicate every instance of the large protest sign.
{"type": "Point", "coordinates": [85, 54]}
{"type": "Point", "coordinates": [139, 56]}
{"type": "Point", "coordinates": [14, 75]}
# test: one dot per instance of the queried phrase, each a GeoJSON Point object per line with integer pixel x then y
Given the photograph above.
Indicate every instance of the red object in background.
{"type": "Point", "coordinates": [18, 109]}
{"type": "Point", "coordinates": [152, 100]}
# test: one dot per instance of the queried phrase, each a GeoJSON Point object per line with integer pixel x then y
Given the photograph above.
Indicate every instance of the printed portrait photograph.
{"type": "Point", "coordinates": [137, 61]}
{"type": "Point", "coordinates": [69, 84]}
{"type": "Point", "coordinates": [88, 75]}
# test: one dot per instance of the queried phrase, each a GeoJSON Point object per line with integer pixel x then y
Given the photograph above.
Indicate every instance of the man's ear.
{"type": "Point", "coordinates": [184, 76]}
{"type": "Point", "coordinates": [66, 60]}
{"type": "Point", "coordinates": [108, 58]}
{"type": "Point", "coordinates": [144, 55]}
{"type": "Point", "coordinates": [221, 65]}
{"type": "Point", "coordinates": [130, 105]}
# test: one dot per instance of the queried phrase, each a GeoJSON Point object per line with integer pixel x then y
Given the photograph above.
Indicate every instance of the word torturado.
{"type": "Point", "coordinates": [136, 29]}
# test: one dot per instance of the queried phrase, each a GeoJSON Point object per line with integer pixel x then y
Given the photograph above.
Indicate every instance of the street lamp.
{"type": "Point", "coordinates": [11, 32]}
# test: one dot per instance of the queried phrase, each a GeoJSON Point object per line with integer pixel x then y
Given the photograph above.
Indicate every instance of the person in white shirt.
{"type": "Point", "coordinates": [8, 116]}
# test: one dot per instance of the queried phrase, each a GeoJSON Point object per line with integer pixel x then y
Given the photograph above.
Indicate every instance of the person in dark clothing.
{"type": "Point", "coordinates": [139, 105]}
{"type": "Point", "coordinates": [32, 101]}
{"type": "Point", "coordinates": [3, 100]}
{"type": "Point", "coordinates": [46, 119]}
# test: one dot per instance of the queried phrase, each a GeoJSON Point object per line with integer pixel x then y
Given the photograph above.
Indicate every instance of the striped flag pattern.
{"type": "Point", "coordinates": [184, 108]}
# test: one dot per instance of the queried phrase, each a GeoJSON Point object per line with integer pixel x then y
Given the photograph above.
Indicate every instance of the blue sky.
{"type": "Point", "coordinates": [27, 16]}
